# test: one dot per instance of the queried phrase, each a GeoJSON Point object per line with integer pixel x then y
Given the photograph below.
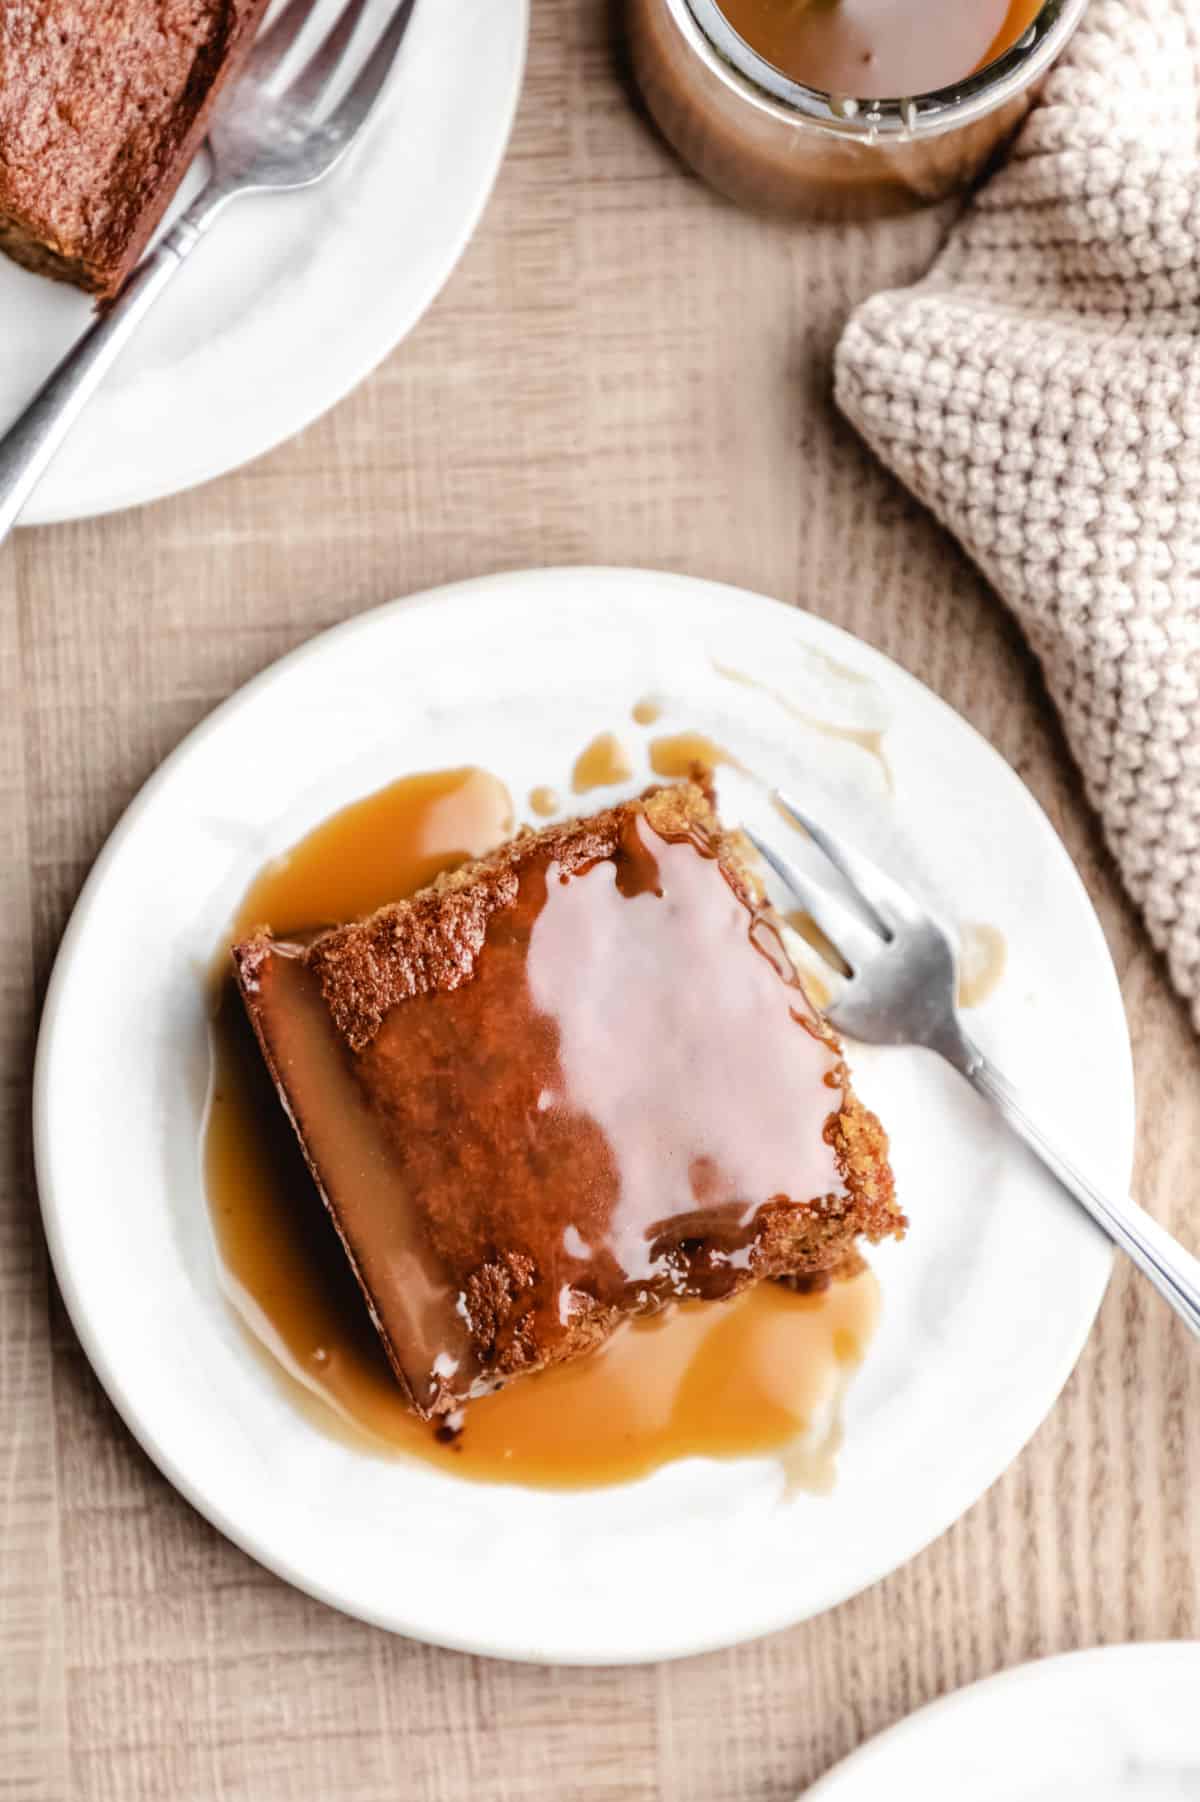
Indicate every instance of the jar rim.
{"type": "Point", "coordinates": [737, 64]}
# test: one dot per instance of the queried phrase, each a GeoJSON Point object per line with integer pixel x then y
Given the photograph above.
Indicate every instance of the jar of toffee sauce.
{"type": "Point", "coordinates": [842, 108]}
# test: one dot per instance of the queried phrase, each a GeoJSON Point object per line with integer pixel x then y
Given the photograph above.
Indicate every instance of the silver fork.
{"type": "Point", "coordinates": [901, 989]}
{"type": "Point", "coordinates": [271, 131]}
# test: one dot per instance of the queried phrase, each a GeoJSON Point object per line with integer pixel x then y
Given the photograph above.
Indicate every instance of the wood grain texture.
{"type": "Point", "coordinates": [622, 370]}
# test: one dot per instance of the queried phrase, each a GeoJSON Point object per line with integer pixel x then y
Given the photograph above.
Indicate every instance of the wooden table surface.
{"type": "Point", "coordinates": [622, 370]}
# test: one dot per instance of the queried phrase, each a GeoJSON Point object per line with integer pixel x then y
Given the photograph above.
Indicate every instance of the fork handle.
{"type": "Point", "coordinates": [28, 447]}
{"type": "Point", "coordinates": [1174, 1272]}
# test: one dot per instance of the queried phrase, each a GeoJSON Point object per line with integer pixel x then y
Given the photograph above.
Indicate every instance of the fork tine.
{"type": "Point", "coordinates": [279, 37]}
{"type": "Point", "coordinates": [368, 84]}
{"type": "Point", "coordinates": [883, 897]}
{"type": "Point", "coordinates": [313, 79]}
{"type": "Point", "coordinates": [853, 941]}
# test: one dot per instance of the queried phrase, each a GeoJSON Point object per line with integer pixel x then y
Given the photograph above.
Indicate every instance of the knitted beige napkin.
{"type": "Point", "coordinates": [1040, 391]}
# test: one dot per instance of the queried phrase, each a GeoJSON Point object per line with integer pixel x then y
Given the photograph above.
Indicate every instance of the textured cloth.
{"type": "Point", "coordinates": [1040, 391]}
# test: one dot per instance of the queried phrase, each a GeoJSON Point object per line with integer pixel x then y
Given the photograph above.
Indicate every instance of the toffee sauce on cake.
{"type": "Point", "coordinates": [759, 1373]}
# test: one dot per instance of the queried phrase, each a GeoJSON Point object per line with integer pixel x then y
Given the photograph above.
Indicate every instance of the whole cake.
{"type": "Point", "coordinates": [567, 1083]}
{"type": "Point", "coordinates": [103, 104]}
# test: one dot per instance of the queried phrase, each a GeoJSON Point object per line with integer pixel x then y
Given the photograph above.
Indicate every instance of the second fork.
{"type": "Point", "coordinates": [901, 990]}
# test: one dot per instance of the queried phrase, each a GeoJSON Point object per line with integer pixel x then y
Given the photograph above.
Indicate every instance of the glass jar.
{"type": "Point", "coordinates": [776, 146]}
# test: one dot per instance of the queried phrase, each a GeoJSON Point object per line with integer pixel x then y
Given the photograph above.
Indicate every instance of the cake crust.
{"type": "Point", "coordinates": [432, 941]}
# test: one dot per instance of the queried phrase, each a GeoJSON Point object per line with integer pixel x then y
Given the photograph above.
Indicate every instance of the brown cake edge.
{"type": "Point", "coordinates": [432, 940]}
{"type": "Point", "coordinates": [248, 957]}
{"type": "Point", "coordinates": [20, 243]}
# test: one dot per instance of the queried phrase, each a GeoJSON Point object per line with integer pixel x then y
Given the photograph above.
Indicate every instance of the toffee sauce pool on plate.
{"type": "Point", "coordinates": [762, 1373]}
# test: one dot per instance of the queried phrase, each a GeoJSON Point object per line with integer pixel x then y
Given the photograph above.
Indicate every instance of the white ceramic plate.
{"type": "Point", "coordinates": [294, 298]}
{"type": "Point", "coordinates": [1117, 1724]}
{"type": "Point", "coordinates": [986, 1305]}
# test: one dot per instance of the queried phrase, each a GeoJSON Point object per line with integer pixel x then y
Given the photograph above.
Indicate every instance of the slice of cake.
{"type": "Point", "coordinates": [103, 104]}
{"type": "Point", "coordinates": [562, 1085]}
